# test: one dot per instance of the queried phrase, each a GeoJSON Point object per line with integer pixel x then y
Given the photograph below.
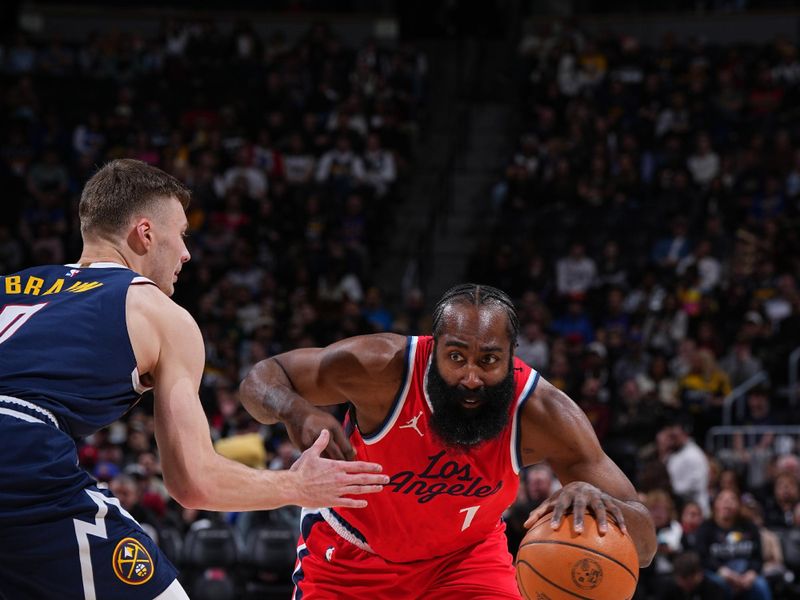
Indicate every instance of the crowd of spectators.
{"type": "Point", "coordinates": [648, 225]}
{"type": "Point", "coordinates": [292, 150]}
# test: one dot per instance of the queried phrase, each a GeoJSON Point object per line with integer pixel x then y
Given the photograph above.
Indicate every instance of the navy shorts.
{"type": "Point", "coordinates": [60, 536]}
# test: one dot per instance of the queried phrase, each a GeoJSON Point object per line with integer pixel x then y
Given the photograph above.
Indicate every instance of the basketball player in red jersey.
{"type": "Point", "coordinates": [452, 418]}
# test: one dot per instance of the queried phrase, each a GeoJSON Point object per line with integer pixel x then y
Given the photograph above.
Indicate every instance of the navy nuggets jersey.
{"type": "Point", "coordinates": [67, 368]}
{"type": "Point", "coordinates": [64, 343]}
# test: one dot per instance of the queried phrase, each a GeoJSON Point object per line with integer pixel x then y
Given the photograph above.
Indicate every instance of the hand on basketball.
{"type": "Point", "coordinates": [579, 495]}
{"type": "Point", "coordinates": [304, 430]}
{"type": "Point", "coordinates": [323, 482]}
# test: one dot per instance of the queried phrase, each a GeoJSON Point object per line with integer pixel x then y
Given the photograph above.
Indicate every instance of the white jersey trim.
{"type": "Point", "coordinates": [530, 385]}
{"type": "Point", "coordinates": [138, 387]}
{"type": "Point", "coordinates": [340, 530]}
{"type": "Point", "coordinates": [30, 406]}
{"type": "Point", "coordinates": [111, 265]}
{"type": "Point", "coordinates": [97, 265]}
{"type": "Point", "coordinates": [401, 399]}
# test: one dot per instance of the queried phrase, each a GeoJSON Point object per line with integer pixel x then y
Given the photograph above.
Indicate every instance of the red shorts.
{"type": "Point", "coordinates": [330, 567]}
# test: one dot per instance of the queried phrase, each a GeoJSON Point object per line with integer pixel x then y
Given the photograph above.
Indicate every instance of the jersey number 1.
{"type": "Point", "coordinates": [14, 316]}
{"type": "Point", "coordinates": [469, 516]}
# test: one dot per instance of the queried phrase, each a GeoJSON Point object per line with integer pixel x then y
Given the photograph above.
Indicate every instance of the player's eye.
{"type": "Point", "coordinates": [456, 357]}
{"type": "Point", "coordinates": [490, 359]}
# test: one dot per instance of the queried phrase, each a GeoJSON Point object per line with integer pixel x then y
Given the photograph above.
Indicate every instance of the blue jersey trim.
{"type": "Point", "coordinates": [391, 417]}
{"type": "Point", "coordinates": [518, 432]}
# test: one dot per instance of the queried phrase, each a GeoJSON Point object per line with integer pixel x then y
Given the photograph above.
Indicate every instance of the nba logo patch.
{"type": "Point", "coordinates": [132, 563]}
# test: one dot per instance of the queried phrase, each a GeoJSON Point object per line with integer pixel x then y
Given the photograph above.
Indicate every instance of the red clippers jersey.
{"type": "Point", "coordinates": [439, 499]}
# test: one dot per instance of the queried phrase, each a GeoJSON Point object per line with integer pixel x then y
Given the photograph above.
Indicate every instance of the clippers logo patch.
{"type": "Point", "coordinates": [132, 562]}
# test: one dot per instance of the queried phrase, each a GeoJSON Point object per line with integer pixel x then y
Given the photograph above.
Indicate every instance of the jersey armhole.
{"type": "Point", "coordinates": [402, 393]}
{"type": "Point", "coordinates": [516, 433]}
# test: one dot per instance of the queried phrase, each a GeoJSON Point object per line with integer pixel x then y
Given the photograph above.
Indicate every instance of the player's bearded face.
{"type": "Point", "coordinates": [465, 427]}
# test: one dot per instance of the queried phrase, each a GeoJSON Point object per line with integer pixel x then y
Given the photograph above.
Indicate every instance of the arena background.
{"type": "Point", "coordinates": [630, 175]}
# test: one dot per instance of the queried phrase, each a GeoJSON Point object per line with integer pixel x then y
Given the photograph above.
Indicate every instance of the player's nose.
{"type": "Point", "coordinates": [471, 380]}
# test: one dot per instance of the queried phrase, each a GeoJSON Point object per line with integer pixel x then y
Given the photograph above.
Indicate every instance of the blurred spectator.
{"type": "Point", "coordinates": [575, 272]}
{"type": "Point", "coordinates": [691, 519]}
{"type": "Point", "coordinates": [532, 346]}
{"type": "Point", "coordinates": [668, 529]}
{"type": "Point", "coordinates": [689, 581]}
{"type": "Point", "coordinates": [686, 463]}
{"type": "Point", "coordinates": [537, 483]}
{"type": "Point", "coordinates": [702, 391]}
{"type": "Point", "coordinates": [740, 364]}
{"type": "Point", "coordinates": [781, 505]}
{"type": "Point", "coordinates": [126, 489]}
{"type": "Point", "coordinates": [379, 167]}
{"type": "Point", "coordinates": [730, 548]}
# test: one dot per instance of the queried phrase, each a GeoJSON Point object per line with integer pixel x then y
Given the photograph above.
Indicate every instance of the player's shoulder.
{"type": "Point", "coordinates": [548, 402]}
{"type": "Point", "coordinates": [150, 302]}
{"type": "Point", "coordinates": [375, 355]}
{"type": "Point", "coordinates": [376, 347]}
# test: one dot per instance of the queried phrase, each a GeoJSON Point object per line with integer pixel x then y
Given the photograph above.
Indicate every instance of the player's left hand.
{"type": "Point", "coordinates": [579, 495]}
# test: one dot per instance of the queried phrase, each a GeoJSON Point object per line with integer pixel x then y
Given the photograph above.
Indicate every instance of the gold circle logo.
{"type": "Point", "coordinates": [132, 562]}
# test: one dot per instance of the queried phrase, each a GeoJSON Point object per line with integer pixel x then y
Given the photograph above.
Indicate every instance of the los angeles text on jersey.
{"type": "Point", "coordinates": [31, 285]}
{"type": "Point", "coordinates": [438, 478]}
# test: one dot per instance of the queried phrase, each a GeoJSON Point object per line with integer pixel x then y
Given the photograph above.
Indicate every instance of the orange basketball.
{"type": "Point", "coordinates": [562, 565]}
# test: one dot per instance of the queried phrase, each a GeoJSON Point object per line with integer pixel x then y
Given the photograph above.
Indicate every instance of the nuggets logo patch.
{"type": "Point", "coordinates": [132, 562]}
{"type": "Point", "coordinates": [587, 574]}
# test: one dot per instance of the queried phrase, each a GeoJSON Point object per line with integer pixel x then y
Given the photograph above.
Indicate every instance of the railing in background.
{"type": "Point", "coordinates": [794, 364]}
{"type": "Point", "coordinates": [785, 438]}
{"type": "Point", "coordinates": [738, 394]}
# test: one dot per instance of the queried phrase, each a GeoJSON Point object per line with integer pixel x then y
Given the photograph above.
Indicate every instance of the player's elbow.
{"type": "Point", "coordinates": [646, 549]}
{"type": "Point", "coordinates": [187, 493]}
{"type": "Point", "coordinates": [253, 388]}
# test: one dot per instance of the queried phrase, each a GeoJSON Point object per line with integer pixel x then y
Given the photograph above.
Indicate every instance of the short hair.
{"type": "Point", "coordinates": [120, 190]}
{"type": "Point", "coordinates": [477, 295]}
{"type": "Point", "coordinates": [687, 564]}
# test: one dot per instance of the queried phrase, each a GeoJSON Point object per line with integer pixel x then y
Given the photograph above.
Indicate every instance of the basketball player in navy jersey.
{"type": "Point", "coordinates": [452, 418]}
{"type": "Point", "coordinates": [79, 344]}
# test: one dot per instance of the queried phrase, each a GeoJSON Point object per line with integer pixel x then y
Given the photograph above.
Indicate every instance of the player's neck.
{"type": "Point", "coordinates": [103, 253]}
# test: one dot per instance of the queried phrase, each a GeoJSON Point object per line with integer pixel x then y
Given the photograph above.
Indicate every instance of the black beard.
{"type": "Point", "coordinates": [467, 427]}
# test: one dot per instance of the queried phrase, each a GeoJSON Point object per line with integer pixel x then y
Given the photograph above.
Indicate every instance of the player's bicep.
{"type": "Point", "coordinates": [358, 369]}
{"type": "Point", "coordinates": [182, 431]}
{"type": "Point", "coordinates": [312, 374]}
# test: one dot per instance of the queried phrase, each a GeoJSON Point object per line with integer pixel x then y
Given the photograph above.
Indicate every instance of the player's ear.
{"type": "Point", "coordinates": [141, 235]}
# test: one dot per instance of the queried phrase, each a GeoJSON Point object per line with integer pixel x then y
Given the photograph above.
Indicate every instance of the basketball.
{"type": "Point", "coordinates": [563, 565]}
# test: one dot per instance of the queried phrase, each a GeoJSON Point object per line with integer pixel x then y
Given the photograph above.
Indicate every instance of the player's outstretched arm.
{"type": "Point", "coordinates": [195, 475]}
{"type": "Point", "coordinates": [555, 429]}
{"type": "Point", "coordinates": [365, 370]}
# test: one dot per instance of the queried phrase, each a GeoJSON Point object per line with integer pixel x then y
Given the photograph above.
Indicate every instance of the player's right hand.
{"type": "Point", "coordinates": [304, 431]}
{"type": "Point", "coordinates": [323, 482]}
